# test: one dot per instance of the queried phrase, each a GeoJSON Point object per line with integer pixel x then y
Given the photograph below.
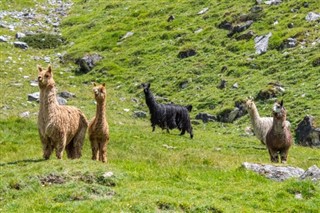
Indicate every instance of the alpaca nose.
{"type": "Point", "coordinates": [39, 78]}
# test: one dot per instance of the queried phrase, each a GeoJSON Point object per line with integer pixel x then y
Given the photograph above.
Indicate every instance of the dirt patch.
{"type": "Point", "coordinates": [52, 179]}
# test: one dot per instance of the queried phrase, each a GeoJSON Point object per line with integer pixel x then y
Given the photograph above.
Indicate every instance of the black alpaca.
{"type": "Point", "coordinates": [168, 116]}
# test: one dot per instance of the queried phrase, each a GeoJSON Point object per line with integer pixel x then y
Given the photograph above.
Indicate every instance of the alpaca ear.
{"type": "Point", "coordinates": [49, 69]}
{"type": "Point", "coordinates": [148, 85]}
{"type": "Point", "coordinates": [94, 84]}
{"type": "Point", "coordinates": [39, 68]}
{"type": "Point", "coordinates": [281, 103]}
{"type": "Point", "coordinates": [104, 84]}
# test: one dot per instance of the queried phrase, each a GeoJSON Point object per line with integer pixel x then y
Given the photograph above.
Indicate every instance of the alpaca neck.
{"type": "Point", "coordinates": [254, 115]}
{"type": "Point", "coordinates": [278, 125]}
{"type": "Point", "coordinates": [101, 111]}
{"type": "Point", "coordinates": [151, 102]}
{"type": "Point", "coordinates": [48, 99]}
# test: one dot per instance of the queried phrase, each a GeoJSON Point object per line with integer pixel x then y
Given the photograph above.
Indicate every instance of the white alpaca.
{"type": "Point", "coordinates": [261, 125]}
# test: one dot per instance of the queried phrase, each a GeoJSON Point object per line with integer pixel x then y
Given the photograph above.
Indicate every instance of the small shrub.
{"type": "Point", "coordinates": [43, 41]}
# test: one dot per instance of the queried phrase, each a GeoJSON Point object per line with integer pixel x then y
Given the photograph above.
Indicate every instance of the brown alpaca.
{"type": "Point", "coordinates": [98, 127]}
{"type": "Point", "coordinates": [60, 127]}
{"type": "Point", "coordinates": [279, 138]}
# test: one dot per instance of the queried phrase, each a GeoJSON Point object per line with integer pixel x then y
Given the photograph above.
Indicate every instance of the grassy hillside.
{"type": "Point", "coordinates": [156, 171]}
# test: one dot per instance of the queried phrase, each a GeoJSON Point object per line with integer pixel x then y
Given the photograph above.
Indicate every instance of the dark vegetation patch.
{"type": "Point", "coordinates": [43, 41]}
{"type": "Point", "coordinates": [52, 179]}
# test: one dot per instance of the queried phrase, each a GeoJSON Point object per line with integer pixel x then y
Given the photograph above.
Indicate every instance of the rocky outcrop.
{"type": "Point", "coordinates": [261, 43]}
{"type": "Point", "coordinates": [307, 134]}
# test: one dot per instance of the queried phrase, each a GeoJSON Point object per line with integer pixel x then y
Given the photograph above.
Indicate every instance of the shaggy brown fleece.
{"type": "Point", "coordinates": [279, 137]}
{"type": "Point", "coordinates": [98, 127]}
{"type": "Point", "coordinates": [60, 127]}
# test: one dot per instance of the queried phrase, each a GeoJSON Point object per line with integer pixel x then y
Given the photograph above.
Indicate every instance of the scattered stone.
{"type": "Point", "coordinates": [312, 173]}
{"type": "Point", "coordinates": [278, 173]}
{"type": "Point", "coordinates": [187, 53]}
{"type": "Point", "coordinates": [21, 45]}
{"type": "Point", "coordinates": [61, 101]}
{"type": "Point", "coordinates": [34, 83]}
{"type": "Point", "coordinates": [305, 4]}
{"type": "Point", "coordinates": [246, 36]}
{"type": "Point", "coordinates": [87, 62]}
{"type": "Point", "coordinates": [171, 18]}
{"type": "Point", "coordinates": [108, 174]}
{"type": "Point", "coordinates": [261, 43]}
{"type": "Point", "coordinates": [19, 35]}
{"type": "Point", "coordinates": [203, 11]}
{"type": "Point", "coordinates": [289, 43]}
{"type": "Point", "coordinates": [183, 85]}
{"type": "Point", "coordinates": [298, 196]}
{"type": "Point", "coordinates": [206, 117]}
{"type": "Point", "coordinates": [66, 94]}
{"type": "Point", "coordinates": [306, 134]}
{"type": "Point", "coordinates": [273, 2]}
{"type": "Point", "coordinates": [256, 9]}
{"type": "Point", "coordinates": [273, 90]}
{"type": "Point", "coordinates": [127, 35]}
{"type": "Point", "coordinates": [223, 84]}
{"type": "Point", "coordinates": [225, 25]}
{"type": "Point", "coordinates": [198, 31]}
{"type": "Point", "coordinates": [139, 114]}
{"type": "Point", "coordinates": [235, 86]}
{"type": "Point", "coordinates": [168, 147]}
{"type": "Point", "coordinates": [126, 110]}
{"type": "Point", "coordinates": [312, 16]}
{"type": "Point", "coordinates": [34, 96]}
{"type": "Point", "coordinates": [47, 59]}
{"type": "Point", "coordinates": [25, 114]}
{"type": "Point", "coordinates": [290, 25]}
{"type": "Point", "coordinates": [4, 39]}
{"type": "Point", "coordinates": [316, 62]}
{"type": "Point", "coordinates": [240, 28]}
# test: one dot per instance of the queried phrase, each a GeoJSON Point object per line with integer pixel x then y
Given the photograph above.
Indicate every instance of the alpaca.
{"type": "Point", "coordinates": [60, 127]}
{"type": "Point", "coordinates": [168, 116]}
{"type": "Point", "coordinates": [279, 138]}
{"type": "Point", "coordinates": [98, 127]}
{"type": "Point", "coordinates": [261, 125]}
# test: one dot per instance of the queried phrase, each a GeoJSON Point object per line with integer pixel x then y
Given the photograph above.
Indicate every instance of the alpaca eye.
{"type": "Point", "coordinates": [46, 76]}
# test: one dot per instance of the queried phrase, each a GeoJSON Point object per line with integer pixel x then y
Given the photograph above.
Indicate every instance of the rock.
{"type": "Point", "coordinates": [225, 25]}
{"type": "Point", "coordinates": [203, 11]}
{"type": "Point", "coordinates": [312, 173]}
{"type": "Point", "coordinates": [240, 28]}
{"type": "Point", "coordinates": [127, 35]}
{"type": "Point", "coordinates": [21, 45]}
{"type": "Point", "coordinates": [108, 174]}
{"type": "Point", "coordinates": [235, 86]}
{"type": "Point", "coordinates": [261, 43]}
{"type": "Point", "coordinates": [289, 43]}
{"type": "Point", "coordinates": [34, 96]}
{"type": "Point", "coordinates": [278, 173]}
{"type": "Point", "coordinates": [171, 18]}
{"type": "Point", "coordinates": [312, 16]}
{"type": "Point", "coordinates": [183, 85]}
{"type": "Point", "coordinates": [223, 84]}
{"type": "Point", "coordinates": [66, 94]}
{"type": "Point", "coordinates": [205, 117]}
{"type": "Point", "coordinates": [4, 39]}
{"type": "Point", "coordinates": [87, 62]}
{"type": "Point", "coordinates": [198, 31]}
{"type": "Point", "coordinates": [305, 4]}
{"type": "Point", "coordinates": [273, 90]}
{"type": "Point", "coordinates": [61, 101]}
{"type": "Point", "coordinates": [316, 62]}
{"type": "Point", "coordinates": [20, 35]}
{"type": "Point", "coordinates": [273, 2]}
{"type": "Point", "coordinates": [187, 53]}
{"type": "Point", "coordinates": [34, 83]}
{"type": "Point", "coordinates": [290, 25]}
{"type": "Point", "coordinates": [246, 36]}
{"type": "Point", "coordinates": [256, 9]}
{"type": "Point", "coordinates": [306, 134]}
{"type": "Point", "coordinates": [139, 114]}
{"type": "Point", "coordinates": [24, 114]}
{"type": "Point", "coordinates": [259, 1]}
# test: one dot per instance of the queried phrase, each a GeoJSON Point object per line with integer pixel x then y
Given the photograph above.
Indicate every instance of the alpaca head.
{"type": "Point", "coordinates": [45, 77]}
{"type": "Point", "coordinates": [146, 87]}
{"type": "Point", "coordinates": [250, 106]}
{"type": "Point", "coordinates": [278, 111]}
{"type": "Point", "coordinates": [100, 92]}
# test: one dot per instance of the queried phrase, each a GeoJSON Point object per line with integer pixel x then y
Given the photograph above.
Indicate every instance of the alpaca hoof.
{"type": "Point", "coordinates": [284, 162]}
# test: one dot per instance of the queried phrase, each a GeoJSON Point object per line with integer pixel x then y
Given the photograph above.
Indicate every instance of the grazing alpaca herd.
{"type": "Point", "coordinates": [64, 127]}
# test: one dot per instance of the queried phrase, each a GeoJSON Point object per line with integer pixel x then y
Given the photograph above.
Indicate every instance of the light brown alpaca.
{"type": "Point", "coordinates": [60, 127]}
{"type": "Point", "coordinates": [98, 127]}
{"type": "Point", "coordinates": [279, 137]}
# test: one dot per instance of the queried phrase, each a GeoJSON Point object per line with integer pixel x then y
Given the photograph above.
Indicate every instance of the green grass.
{"type": "Point", "coordinates": [199, 175]}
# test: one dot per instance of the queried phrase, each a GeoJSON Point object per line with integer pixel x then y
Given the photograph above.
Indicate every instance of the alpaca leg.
{"type": "Point", "coordinates": [103, 152]}
{"type": "Point", "coordinates": [191, 133]}
{"type": "Point", "coordinates": [70, 150]}
{"type": "Point", "coordinates": [153, 128]}
{"type": "Point", "coordinates": [183, 132]}
{"type": "Point", "coordinates": [95, 150]}
{"type": "Point", "coordinates": [46, 147]}
{"type": "Point", "coordinates": [60, 146]}
{"type": "Point", "coordinates": [78, 141]}
{"type": "Point", "coordinates": [273, 156]}
{"type": "Point", "coordinates": [284, 155]}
